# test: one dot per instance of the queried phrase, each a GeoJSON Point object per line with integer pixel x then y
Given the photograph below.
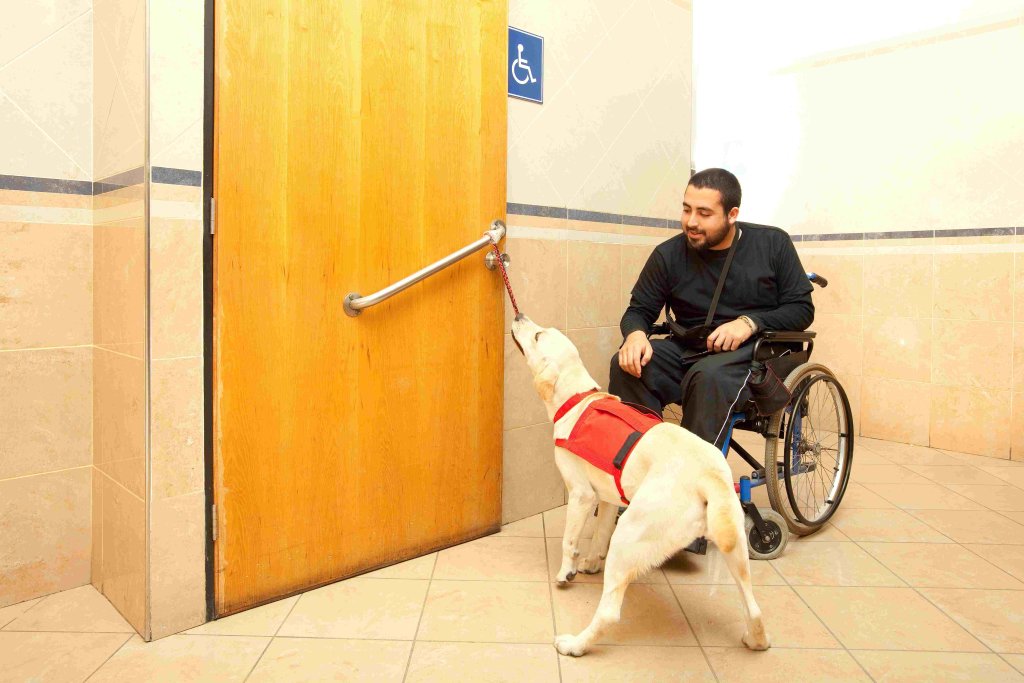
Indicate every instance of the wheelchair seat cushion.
{"type": "Point", "coordinates": [606, 433]}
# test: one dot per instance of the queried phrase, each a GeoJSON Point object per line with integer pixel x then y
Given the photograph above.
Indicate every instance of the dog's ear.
{"type": "Point", "coordinates": [545, 380]}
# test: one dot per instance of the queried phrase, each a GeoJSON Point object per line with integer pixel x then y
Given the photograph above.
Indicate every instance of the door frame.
{"type": "Point", "coordinates": [208, 119]}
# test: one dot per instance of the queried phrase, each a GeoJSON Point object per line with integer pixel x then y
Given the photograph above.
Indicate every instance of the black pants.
{"type": "Point", "coordinates": [705, 387]}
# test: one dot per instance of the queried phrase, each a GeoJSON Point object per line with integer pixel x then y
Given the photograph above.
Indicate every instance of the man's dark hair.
{"type": "Point", "coordinates": [723, 181]}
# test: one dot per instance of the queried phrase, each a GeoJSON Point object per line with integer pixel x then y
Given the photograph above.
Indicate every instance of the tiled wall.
{"type": "Point", "coordinates": [595, 181]}
{"type": "Point", "coordinates": [177, 531]}
{"type": "Point", "coordinates": [120, 367]}
{"type": "Point", "coordinates": [905, 184]}
{"type": "Point", "coordinates": [46, 311]}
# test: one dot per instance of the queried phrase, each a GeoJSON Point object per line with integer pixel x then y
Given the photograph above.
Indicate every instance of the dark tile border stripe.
{"type": "Point", "coordinates": [651, 222]}
{"type": "Point", "coordinates": [135, 176]}
{"type": "Point", "coordinates": [177, 176]}
{"type": "Point", "coordinates": [129, 178]}
{"type": "Point", "coordinates": [52, 185]}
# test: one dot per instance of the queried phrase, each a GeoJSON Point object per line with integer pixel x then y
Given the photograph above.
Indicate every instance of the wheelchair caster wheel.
{"type": "Point", "coordinates": [770, 546]}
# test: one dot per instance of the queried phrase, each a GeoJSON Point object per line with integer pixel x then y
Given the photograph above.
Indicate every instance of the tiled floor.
{"type": "Point", "coordinates": [920, 578]}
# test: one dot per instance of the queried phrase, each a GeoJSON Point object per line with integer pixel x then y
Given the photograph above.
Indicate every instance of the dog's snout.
{"type": "Point", "coordinates": [519, 316]}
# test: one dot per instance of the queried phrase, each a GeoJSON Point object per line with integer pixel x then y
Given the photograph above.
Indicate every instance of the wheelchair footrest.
{"type": "Point", "coordinates": [698, 547]}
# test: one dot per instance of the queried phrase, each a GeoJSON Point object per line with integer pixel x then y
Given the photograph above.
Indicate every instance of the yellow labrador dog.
{"type": "Point", "coordinates": [679, 488]}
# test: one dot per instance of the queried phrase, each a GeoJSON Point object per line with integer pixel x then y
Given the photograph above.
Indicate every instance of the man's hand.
{"type": "Point", "coordinates": [635, 353]}
{"type": "Point", "coordinates": [728, 337]}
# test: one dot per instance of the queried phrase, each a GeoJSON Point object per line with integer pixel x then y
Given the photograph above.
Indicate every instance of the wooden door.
{"type": "Point", "coordinates": [355, 142]}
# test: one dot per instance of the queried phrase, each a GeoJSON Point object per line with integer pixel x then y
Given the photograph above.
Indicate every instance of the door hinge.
{"type": "Point", "coordinates": [213, 215]}
{"type": "Point", "coordinates": [213, 520]}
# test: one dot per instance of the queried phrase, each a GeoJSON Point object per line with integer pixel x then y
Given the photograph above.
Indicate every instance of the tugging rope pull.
{"type": "Point", "coordinates": [504, 274]}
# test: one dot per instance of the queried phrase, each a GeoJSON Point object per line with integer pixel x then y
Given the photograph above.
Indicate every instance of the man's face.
{"type": "Point", "coordinates": [704, 219]}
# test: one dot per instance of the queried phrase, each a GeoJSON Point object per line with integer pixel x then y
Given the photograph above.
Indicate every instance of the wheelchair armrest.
{"type": "Point", "coordinates": [783, 339]}
{"type": "Point", "coordinates": [788, 336]}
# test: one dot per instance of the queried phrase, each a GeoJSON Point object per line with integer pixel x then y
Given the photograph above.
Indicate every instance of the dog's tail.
{"type": "Point", "coordinates": [724, 514]}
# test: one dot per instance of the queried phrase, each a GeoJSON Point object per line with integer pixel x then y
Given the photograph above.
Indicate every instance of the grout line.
{"type": "Point", "coordinates": [42, 474]}
{"type": "Point", "coordinates": [419, 621]}
{"type": "Point", "coordinates": [269, 641]}
{"type": "Point", "coordinates": [689, 625]}
{"type": "Point", "coordinates": [104, 663]}
{"type": "Point", "coordinates": [551, 592]}
{"type": "Point", "coordinates": [822, 621]}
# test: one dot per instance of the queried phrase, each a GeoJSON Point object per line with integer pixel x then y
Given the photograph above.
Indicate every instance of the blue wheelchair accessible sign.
{"type": "Point", "coordinates": [525, 65]}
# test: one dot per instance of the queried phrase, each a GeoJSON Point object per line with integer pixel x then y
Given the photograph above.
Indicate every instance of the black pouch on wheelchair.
{"type": "Point", "coordinates": [767, 390]}
{"type": "Point", "coordinates": [694, 338]}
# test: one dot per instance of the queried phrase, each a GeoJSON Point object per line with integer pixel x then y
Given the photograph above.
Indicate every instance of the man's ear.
{"type": "Point", "coordinates": [545, 380]}
{"type": "Point", "coordinates": [734, 213]}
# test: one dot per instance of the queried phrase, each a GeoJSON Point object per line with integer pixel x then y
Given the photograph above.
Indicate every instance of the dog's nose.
{"type": "Point", "coordinates": [519, 316]}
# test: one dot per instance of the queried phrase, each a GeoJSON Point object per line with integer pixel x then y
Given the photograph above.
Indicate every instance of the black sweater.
{"type": "Point", "coordinates": [766, 282]}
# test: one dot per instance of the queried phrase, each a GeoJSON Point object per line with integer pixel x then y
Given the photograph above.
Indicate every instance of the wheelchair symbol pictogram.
{"type": "Point", "coordinates": [521, 65]}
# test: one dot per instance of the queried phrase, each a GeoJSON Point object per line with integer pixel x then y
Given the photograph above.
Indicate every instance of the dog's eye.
{"type": "Point", "coordinates": [537, 336]}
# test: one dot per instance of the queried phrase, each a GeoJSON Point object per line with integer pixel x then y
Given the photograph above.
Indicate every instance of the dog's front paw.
{"type": "Point", "coordinates": [563, 580]}
{"type": "Point", "coordinates": [591, 565]}
{"type": "Point", "coordinates": [757, 643]}
{"type": "Point", "coordinates": [569, 645]}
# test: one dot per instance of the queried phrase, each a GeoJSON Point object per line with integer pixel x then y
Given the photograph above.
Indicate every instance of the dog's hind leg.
{"type": "Point", "coordinates": [638, 544]}
{"type": "Point", "coordinates": [598, 549]}
{"type": "Point", "coordinates": [725, 528]}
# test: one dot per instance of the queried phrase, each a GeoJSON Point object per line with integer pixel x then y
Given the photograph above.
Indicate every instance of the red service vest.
{"type": "Point", "coordinates": [606, 433]}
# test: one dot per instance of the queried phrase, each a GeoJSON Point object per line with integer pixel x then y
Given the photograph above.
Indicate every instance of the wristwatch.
{"type": "Point", "coordinates": [750, 323]}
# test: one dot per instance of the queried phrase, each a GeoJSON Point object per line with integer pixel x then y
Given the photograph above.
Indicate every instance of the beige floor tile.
{"type": "Point", "coordinates": [417, 568]}
{"type": "Point", "coordinates": [995, 617]}
{"type": "Point", "coordinates": [361, 608]}
{"type": "Point", "coordinates": [778, 665]}
{"type": "Point", "coordinates": [308, 660]}
{"type": "Point", "coordinates": [885, 474]}
{"type": "Point", "coordinates": [1017, 661]}
{"type": "Point", "coordinates": [80, 609]}
{"type": "Point", "coordinates": [183, 659]}
{"type": "Point", "coordinates": [258, 621]}
{"type": "Point", "coordinates": [716, 614]}
{"type": "Point", "coordinates": [907, 454]}
{"type": "Point", "coordinates": [928, 667]}
{"type": "Point", "coordinates": [555, 562]}
{"type": "Point", "coordinates": [495, 558]}
{"type": "Point", "coordinates": [487, 612]}
{"type": "Point", "coordinates": [52, 657]}
{"type": "Point", "coordinates": [687, 568]}
{"type": "Point", "coordinates": [886, 618]}
{"type": "Point", "coordinates": [1009, 558]}
{"type": "Point", "coordinates": [982, 460]}
{"type": "Point", "coordinates": [864, 456]}
{"type": "Point", "coordinates": [650, 615]}
{"type": "Point", "coordinates": [832, 564]}
{"type": "Point", "coordinates": [637, 664]}
{"type": "Point", "coordinates": [973, 526]}
{"type": "Point", "coordinates": [828, 533]}
{"type": "Point", "coordinates": [1003, 498]}
{"type": "Point", "coordinates": [531, 526]}
{"type": "Point", "coordinates": [1010, 475]}
{"type": "Point", "coordinates": [483, 663]}
{"type": "Point", "coordinates": [885, 525]}
{"type": "Point", "coordinates": [923, 497]}
{"type": "Point", "coordinates": [1015, 516]}
{"type": "Point", "coordinates": [554, 524]}
{"type": "Point", "coordinates": [961, 474]}
{"type": "Point", "coordinates": [940, 566]}
{"type": "Point", "coordinates": [858, 497]}
{"type": "Point", "coordinates": [12, 612]}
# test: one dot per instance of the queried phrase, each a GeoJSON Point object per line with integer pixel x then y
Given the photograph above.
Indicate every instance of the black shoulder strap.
{"type": "Point", "coordinates": [721, 278]}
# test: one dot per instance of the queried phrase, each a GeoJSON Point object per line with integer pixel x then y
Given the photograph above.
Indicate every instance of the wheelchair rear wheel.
{"type": "Point", "coordinates": [809, 450]}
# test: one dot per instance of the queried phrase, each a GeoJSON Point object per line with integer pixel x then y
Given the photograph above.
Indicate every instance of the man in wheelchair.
{"type": "Point", "coordinates": [702, 365]}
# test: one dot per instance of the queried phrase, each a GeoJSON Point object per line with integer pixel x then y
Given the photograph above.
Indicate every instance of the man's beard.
{"type": "Point", "coordinates": [709, 241]}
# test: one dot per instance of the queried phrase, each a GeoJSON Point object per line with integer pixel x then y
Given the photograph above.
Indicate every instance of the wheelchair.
{"type": "Point", "coordinates": [808, 454]}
